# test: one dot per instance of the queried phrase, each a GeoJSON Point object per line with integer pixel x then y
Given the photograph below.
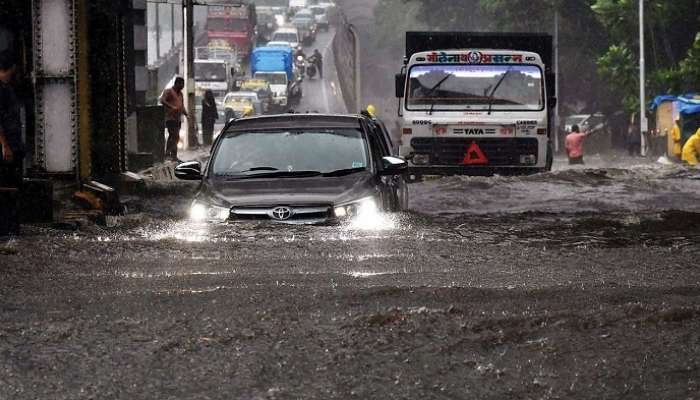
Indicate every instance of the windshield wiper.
{"type": "Point", "coordinates": [433, 89]}
{"type": "Point", "coordinates": [344, 172]}
{"type": "Point", "coordinates": [261, 169]}
{"type": "Point", "coordinates": [495, 89]}
{"type": "Point", "coordinates": [277, 174]}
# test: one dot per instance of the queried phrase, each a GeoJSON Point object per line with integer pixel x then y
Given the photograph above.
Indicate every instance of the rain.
{"type": "Point", "coordinates": [337, 199]}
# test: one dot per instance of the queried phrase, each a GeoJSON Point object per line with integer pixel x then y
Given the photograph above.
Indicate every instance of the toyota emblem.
{"type": "Point", "coordinates": [282, 213]}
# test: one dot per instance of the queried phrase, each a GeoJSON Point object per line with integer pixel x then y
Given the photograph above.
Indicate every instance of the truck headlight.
{"type": "Point", "coordinates": [360, 208]}
{"type": "Point", "coordinates": [200, 212]}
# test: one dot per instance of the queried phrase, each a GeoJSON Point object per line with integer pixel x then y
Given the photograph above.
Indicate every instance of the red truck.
{"type": "Point", "coordinates": [234, 23]}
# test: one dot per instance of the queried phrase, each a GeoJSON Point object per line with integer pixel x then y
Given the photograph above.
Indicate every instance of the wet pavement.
{"type": "Point", "coordinates": [580, 283]}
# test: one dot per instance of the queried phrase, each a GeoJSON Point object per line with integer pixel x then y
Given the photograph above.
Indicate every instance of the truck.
{"type": "Point", "coordinates": [476, 103]}
{"type": "Point", "coordinates": [235, 22]}
{"type": "Point", "coordinates": [214, 75]}
{"type": "Point", "coordinates": [276, 66]}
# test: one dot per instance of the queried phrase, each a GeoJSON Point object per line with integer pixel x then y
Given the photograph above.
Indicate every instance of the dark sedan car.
{"type": "Point", "coordinates": [298, 168]}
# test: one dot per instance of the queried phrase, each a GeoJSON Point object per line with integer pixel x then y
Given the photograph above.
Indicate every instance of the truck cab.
{"type": "Point", "coordinates": [475, 110]}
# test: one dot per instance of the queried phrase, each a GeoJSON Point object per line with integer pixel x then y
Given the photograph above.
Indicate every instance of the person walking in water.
{"type": "Point", "coordinates": [209, 116]}
{"type": "Point", "coordinates": [574, 145]}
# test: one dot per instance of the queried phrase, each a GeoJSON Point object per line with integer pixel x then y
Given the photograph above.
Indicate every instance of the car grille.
{"type": "Point", "coordinates": [498, 151]}
{"type": "Point", "coordinates": [299, 214]}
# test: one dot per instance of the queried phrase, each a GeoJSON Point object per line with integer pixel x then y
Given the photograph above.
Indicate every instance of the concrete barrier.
{"type": "Point", "coordinates": [346, 54]}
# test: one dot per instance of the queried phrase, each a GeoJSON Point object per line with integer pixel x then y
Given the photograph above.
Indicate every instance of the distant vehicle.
{"type": "Point", "coordinates": [298, 169]}
{"type": "Point", "coordinates": [235, 23]}
{"type": "Point", "coordinates": [477, 103]}
{"type": "Point", "coordinates": [214, 75]}
{"type": "Point", "coordinates": [586, 122]}
{"type": "Point", "coordinates": [236, 104]}
{"type": "Point", "coordinates": [295, 5]}
{"type": "Point", "coordinates": [267, 22]}
{"type": "Point", "coordinates": [279, 44]}
{"type": "Point", "coordinates": [321, 16]}
{"type": "Point", "coordinates": [276, 66]}
{"type": "Point", "coordinates": [262, 88]}
{"type": "Point", "coordinates": [289, 35]}
{"type": "Point", "coordinates": [306, 25]}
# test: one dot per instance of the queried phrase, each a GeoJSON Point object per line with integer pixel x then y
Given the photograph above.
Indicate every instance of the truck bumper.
{"type": "Point", "coordinates": [472, 170]}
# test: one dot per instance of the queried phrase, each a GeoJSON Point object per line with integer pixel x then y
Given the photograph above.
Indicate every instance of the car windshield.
{"type": "Point", "coordinates": [215, 72]}
{"type": "Point", "coordinates": [321, 150]}
{"type": "Point", "coordinates": [475, 87]}
{"type": "Point", "coordinates": [272, 78]}
{"type": "Point", "coordinates": [288, 37]}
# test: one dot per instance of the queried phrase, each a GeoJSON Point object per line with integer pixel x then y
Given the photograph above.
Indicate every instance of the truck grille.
{"type": "Point", "coordinates": [499, 151]}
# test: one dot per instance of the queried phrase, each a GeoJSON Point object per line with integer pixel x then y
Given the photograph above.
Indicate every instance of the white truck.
{"type": "Point", "coordinates": [476, 103]}
{"type": "Point", "coordinates": [215, 75]}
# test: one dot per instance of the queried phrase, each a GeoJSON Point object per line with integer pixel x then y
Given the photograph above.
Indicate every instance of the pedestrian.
{"type": "Point", "coordinates": [209, 116]}
{"type": "Point", "coordinates": [691, 149]}
{"type": "Point", "coordinates": [633, 139]}
{"type": "Point", "coordinates": [11, 146]}
{"type": "Point", "coordinates": [318, 61]}
{"type": "Point", "coordinates": [174, 104]}
{"type": "Point", "coordinates": [574, 145]}
{"type": "Point", "coordinates": [676, 136]}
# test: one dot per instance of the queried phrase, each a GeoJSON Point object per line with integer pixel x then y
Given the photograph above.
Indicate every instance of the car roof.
{"type": "Point", "coordinates": [290, 121]}
{"type": "Point", "coordinates": [242, 93]}
{"type": "Point", "coordinates": [286, 30]}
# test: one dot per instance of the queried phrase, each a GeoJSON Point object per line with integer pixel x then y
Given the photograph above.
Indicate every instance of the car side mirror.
{"type": "Point", "coordinates": [189, 171]}
{"type": "Point", "coordinates": [400, 84]}
{"type": "Point", "coordinates": [393, 166]}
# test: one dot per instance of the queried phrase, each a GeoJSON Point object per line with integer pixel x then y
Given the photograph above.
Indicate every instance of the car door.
{"type": "Point", "coordinates": [394, 188]}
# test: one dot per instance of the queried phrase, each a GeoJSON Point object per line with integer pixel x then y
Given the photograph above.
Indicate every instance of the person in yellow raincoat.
{"type": "Point", "coordinates": [676, 135]}
{"type": "Point", "coordinates": [691, 149]}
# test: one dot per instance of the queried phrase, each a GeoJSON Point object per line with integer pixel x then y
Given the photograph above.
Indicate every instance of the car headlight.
{"type": "Point", "coordinates": [200, 212]}
{"type": "Point", "coordinates": [360, 208]}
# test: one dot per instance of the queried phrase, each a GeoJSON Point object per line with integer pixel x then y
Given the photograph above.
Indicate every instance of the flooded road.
{"type": "Point", "coordinates": [580, 283]}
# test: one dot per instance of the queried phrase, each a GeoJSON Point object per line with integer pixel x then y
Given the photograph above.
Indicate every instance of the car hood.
{"type": "Point", "coordinates": [265, 192]}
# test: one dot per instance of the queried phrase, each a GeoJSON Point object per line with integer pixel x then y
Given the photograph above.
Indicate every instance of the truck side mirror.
{"type": "Point", "coordinates": [552, 102]}
{"type": "Point", "coordinates": [400, 82]}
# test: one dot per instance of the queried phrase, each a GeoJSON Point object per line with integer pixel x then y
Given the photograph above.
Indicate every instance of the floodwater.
{"type": "Point", "coordinates": [579, 283]}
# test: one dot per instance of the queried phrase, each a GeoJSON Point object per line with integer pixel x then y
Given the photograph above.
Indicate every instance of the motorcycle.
{"type": "Point", "coordinates": [311, 68]}
{"type": "Point", "coordinates": [300, 63]}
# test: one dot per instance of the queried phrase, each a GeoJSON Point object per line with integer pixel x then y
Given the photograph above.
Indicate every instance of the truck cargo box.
{"type": "Point", "coordinates": [540, 43]}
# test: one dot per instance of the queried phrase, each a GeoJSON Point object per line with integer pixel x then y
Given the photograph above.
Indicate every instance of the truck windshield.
{"type": "Point", "coordinates": [210, 72]}
{"type": "Point", "coordinates": [272, 78]}
{"type": "Point", "coordinates": [474, 87]}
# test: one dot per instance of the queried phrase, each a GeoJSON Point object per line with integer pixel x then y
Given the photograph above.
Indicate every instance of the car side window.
{"type": "Point", "coordinates": [376, 147]}
{"type": "Point", "coordinates": [379, 138]}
